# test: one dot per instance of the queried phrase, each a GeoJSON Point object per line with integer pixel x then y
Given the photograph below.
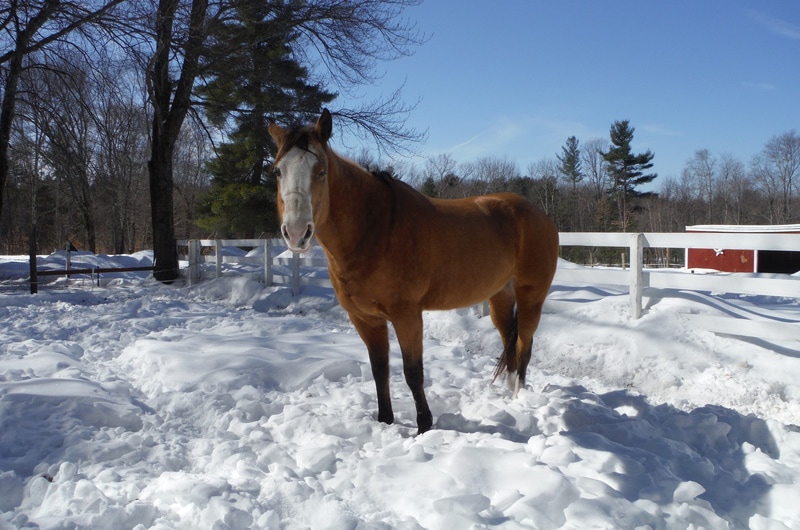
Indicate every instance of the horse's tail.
{"type": "Point", "coordinates": [508, 359]}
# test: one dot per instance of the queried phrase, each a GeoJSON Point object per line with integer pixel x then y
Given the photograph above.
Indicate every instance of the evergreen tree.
{"type": "Point", "coordinates": [627, 170]}
{"type": "Point", "coordinates": [570, 159]}
{"type": "Point", "coordinates": [429, 187]}
{"type": "Point", "coordinates": [261, 81]}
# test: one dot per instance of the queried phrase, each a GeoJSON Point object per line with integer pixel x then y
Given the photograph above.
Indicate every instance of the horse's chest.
{"type": "Point", "coordinates": [360, 295]}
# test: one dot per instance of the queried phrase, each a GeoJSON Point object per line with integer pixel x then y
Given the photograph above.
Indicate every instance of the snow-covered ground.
{"type": "Point", "coordinates": [231, 405]}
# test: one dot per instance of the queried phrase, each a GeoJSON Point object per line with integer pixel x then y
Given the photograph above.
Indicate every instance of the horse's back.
{"type": "Point", "coordinates": [476, 245]}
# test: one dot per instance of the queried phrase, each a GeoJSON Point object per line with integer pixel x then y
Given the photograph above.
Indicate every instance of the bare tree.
{"type": "Point", "coordinates": [545, 193]}
{"type": "Point", "coordinates": [121, 122]}
{"type": "Point", "coordinates": [27, 29]}
{"type": "Point", "coordinates": [70, 132]}
{"type": "Point", "coordinates": [700, 171]}
{"type": "Point", "coordinates": [440, 165]}
{"type": "Point", "coordinates": [733, 188]}
{"type": "Point", "coordinates": [489, 174]}
{"type": "Point", "coordinates": [775, 170]}
{"type": "Point", "coordinates": [595, 166]}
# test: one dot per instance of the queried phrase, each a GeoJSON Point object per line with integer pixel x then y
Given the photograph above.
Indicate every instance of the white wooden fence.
{"type": "Point", "coordinates": [271, 268]}
{"type": "Point", "coordinates": [288, 271]}
{"type": "Point", "coordinates": [637, 278]}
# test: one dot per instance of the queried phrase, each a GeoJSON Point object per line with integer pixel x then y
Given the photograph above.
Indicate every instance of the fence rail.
{"type": "Point", "coordinates": [635, 277]}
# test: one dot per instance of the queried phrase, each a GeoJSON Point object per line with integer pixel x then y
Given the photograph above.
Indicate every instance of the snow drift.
{"type": "Point", "coordinates": [231, 405]}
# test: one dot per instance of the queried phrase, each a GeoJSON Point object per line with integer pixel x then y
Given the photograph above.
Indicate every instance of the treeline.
{"type": "Point", "coordinates": [582, 190]}
{"type": "Point", "coordinates": [126, 124]}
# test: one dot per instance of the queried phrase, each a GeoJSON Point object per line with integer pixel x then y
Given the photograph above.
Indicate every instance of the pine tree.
{"type": "Point", "coordinates": [261, 81]}
{"type": "Point", "coordinates": [570, 168]}
{"type": "Point", "coordinates": [627, 170]}
{"type": "Point", "coordinates": [429, 187]}
{"type": "Point", "coordinates": [570, 159]}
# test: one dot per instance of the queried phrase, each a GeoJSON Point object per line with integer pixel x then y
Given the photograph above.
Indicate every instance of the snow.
{"type": "Point", "coordinates": [745, 229]}
{"type": "Point", "coordinates": [232, 405]}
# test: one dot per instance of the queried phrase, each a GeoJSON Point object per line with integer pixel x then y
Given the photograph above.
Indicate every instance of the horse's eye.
{"type": "Point", "coordinates": [323, 173]}
{"type": "Point", "coordinates": [277, 173]}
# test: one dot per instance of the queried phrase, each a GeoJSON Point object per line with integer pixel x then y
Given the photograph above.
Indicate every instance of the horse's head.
{"type": "Point", "coordinates": [302, 167]}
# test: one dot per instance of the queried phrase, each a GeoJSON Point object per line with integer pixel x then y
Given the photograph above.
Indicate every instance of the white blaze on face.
{"type": "Point", "coordinates": [296, 169]}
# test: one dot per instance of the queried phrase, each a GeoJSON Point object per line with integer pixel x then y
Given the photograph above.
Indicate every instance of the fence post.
{"type": "Point", "coordinates": [218, 256]}
{"type": "Point", "coordinates": [295, 273]}
{"type": "Point", "coordinates": [636, 260]}
{"type": "Point", "coordinates": [194, 261]}
{"type": "Point", "coordinates": [268, 262]}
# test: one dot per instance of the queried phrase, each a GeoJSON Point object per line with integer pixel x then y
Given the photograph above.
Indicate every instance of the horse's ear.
{"type": "Point", "coordinates": [325, 125]}
{"type": "Point", "coordinates": [277, 132]}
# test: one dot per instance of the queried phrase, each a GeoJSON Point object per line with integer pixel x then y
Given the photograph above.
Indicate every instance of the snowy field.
{"type": "Point", "coordinates": [230, 405]}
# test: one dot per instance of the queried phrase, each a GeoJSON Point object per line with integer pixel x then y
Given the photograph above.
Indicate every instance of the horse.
{"type": "Point", "coordinates": [394, 252]}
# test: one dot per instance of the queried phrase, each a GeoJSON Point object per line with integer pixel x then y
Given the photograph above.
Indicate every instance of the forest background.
{"type": "Point", "coordinates": [126, 125]}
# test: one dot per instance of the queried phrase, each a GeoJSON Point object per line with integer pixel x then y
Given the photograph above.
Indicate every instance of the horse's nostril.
{"type": "Point", "coordinates": [285, 232]}
{"type": "Point", "coordinates": [309, 232]}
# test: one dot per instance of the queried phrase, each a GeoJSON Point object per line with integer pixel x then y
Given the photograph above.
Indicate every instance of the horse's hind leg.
{"type": "Point", "coordinates": [530, 303]}
{"type": "Point", "coordinates": [501, 309]}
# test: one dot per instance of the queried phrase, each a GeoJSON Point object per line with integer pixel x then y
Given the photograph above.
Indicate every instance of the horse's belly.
{"type": "Point", "coordinates": [461, 289]}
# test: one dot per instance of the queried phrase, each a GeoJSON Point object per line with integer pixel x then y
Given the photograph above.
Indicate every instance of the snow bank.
{"type": "Point", "coordinates": [228, 405]}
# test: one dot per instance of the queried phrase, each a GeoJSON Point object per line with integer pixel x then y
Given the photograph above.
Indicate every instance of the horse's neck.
{"type": "Point", "coordinates": [360, 205]}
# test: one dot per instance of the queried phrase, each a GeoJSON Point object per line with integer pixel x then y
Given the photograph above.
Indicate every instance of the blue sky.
{"type": "Point", "coordinates": [515, 78]}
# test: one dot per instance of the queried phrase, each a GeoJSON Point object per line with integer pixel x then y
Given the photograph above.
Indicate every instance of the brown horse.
{"type": "Point", "coordinates": [393, 252]}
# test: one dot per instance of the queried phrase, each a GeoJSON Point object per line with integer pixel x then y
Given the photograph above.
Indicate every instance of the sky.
{"type": "Point", "coordinates": [515, 78]}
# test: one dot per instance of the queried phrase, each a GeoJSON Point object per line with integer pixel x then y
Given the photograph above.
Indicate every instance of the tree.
{"type": "Point", "coordinates": [179, 44]}
{"type": "Point", "coordinates": [544, 187]}
{"type": "Point", "coordinates": [596, 166]}
{"type": "Point", "coordinates": [429, 187]}
{"type": "Point", "coordinates": [344, 37]}
{"type": "Point", "coordinates": [571, 171]}
{"type": "Point", "coordinates": [27, 29]}
{"type": "Point", "coordinates": [627, 170]}
{"type": "Point", "coordinates": [262, 82]}
{"type": "Point", "coordinates": [734, 189]}
{"type": "Point", "coordinates": [775, 170]}
{"type": "Point", "coordinates": [570, 159]}
{"type": "Point", "coordinates": [70, 132]}
{"type": "Point", "coordinates": [700, 170]}
{"type": "Point", "coordinates": [489, 174]}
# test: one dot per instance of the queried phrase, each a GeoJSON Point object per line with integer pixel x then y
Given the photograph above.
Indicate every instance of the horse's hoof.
{"type": "Point", "coordinates": [424, 423]}
{"type": "Point", "coordinates": [513, 383]}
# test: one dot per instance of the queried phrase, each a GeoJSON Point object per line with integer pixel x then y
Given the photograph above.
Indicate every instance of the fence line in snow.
{"type": "Point", "coordinates": [635, 277]}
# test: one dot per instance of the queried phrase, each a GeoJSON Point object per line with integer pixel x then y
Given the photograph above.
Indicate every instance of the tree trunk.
{"type": "Point", "coordinates": [7, 110]}
{"type": "Point", "coordinates": [169, 110]}
{"type": "Point", "coordinates": [8, 106]}
{"type": "Point", "coordinates": [165, 251]}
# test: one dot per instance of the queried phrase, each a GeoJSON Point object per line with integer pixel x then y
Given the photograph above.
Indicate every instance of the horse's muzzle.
{"type": "Point", "coordinates": [298, 237]}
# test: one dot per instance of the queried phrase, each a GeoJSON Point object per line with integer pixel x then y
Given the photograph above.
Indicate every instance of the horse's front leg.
{"type": "Point", "coordinates": [408, 327]}
{"type": "Point", "coordinates": [375, 334]}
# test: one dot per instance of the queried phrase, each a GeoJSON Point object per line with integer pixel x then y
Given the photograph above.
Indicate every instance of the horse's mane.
{"type": "Point", "coordinates": [296, 136]}
{"type": "Point", "coordinates": [384, 176]}
{"type": "Point", "coordinates": [392, 181]}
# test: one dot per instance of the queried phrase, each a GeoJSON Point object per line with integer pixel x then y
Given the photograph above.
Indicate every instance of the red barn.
{"type": "Point", "coordinates": [744, 260]}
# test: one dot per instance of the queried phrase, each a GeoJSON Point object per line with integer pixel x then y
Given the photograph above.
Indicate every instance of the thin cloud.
{"type": "Point", "coordinates": [759, 86]}
{"type": "Point", "coordinates": [465, 142]}
{"type": "Point", "coordinates": [776, 25]}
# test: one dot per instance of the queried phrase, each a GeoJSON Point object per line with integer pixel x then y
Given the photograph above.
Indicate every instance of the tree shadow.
{"type": "Point", "coordinates": [662, 447]}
